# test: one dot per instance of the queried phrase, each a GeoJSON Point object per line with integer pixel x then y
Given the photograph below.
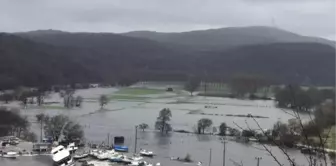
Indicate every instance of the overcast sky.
{"type": "Point", "coordinates": [306, 17]}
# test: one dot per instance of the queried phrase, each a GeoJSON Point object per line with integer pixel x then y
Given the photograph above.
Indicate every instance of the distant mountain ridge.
{"type": "Point", "coordinates": [225, 38]}
{"type": "Point", "coordinates": [293, 63]}
{"type": "Point", "coordinates": [66, 57]}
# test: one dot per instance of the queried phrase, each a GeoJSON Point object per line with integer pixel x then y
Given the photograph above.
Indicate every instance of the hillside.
{"type": "Point", "coordinates": [225, 38]}
{"type": "Point", "coordinates": [302, 63]}
{"type": "Point", "coordinates": [56, 57]}
{"type": "Point", "coordinates": [23, 62]}
{"type": "Point", "coordinates": [80, 58]}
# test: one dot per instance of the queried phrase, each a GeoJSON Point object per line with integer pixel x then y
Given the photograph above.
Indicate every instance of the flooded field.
{"type": "Point", "coordinates": [120, 117]}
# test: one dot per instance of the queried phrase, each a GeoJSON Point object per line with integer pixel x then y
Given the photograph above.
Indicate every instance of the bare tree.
{"type": "Point", "coordinates": [295, 112]}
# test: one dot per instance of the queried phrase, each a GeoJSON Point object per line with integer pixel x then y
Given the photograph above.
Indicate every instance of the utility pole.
{"type": "Point", "coordinates": [136, 139]}
{"type": "Point", "coordinates": [210, 157]}
{"type": "Point", "coordinates": [258, 160]}
{"type": "Point", "coordinates": [205, 81]}
{"type": "Point", "coordinates": [108, 139]}
{"type": "Point", "coordinates": [224, 148]}
{"type": "Point", "coordinates": [41, 139]}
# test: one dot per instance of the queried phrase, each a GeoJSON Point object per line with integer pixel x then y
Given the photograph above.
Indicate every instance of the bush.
{"type": "Point", "coordinates": [187, 158]}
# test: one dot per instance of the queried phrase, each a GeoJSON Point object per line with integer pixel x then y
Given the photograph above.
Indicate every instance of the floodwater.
{"type": "Point", "coordinates": [121, 117]}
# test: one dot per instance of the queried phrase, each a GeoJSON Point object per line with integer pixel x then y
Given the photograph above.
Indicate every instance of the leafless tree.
{"type": "Point", "coordinates": [320, 148]}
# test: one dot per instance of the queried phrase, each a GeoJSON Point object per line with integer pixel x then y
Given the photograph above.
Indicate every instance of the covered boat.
{"type": "Point", "coordinates": [10, 154]}
{"type": "Point", "coordinates": [121, 148]}
{"type": "Point", "coordinates": [146, 153]}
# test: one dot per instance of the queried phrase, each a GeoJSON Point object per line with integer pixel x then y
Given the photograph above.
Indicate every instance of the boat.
{"type": "Point", "coordinates": [10, 154]}
{"type": "Point", "coordinates": [140, 163]}
{"type": "Point", "coordinates": [80, 156]}
{"type": "Point", "coordinates": [120, 148]}
{"type": "Point", "coordinates": [136, 158]}
{"type": "Point", "coordinates": [126, 160]}
{"type": "Point", "coordinates": [61, 156]}
{"type": "Point", "coordinates": [116, 158]}
{"type": "Point", "coordinates": [94, 153]}
{"type": "Point", "coordinates": [146, 153]}
{"type": "Point", "coordinates": [72, 148]}
{"type": "Point", "coordinates": [96, 163]}
{"type": "Point", "coordinates": [104, 155]}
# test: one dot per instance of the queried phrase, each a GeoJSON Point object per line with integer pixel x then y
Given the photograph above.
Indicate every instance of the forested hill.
{"type": "Point", "coordinates": [300, 63]}
{"type": "Point", "coordinates": [225, 38]}
{"type": "Point", "coordinates": [56, 57]}
{"type": "Point", "coordinates": [23, 62]}
{"type": "Point", "coordinates": [33, 62]}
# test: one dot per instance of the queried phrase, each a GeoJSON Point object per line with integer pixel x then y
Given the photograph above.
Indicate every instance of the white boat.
{"type": "Point", "coordinates": [116, 157]}
{"type": "Point", "coordinates": [98, 163]}
{"type": "Point", "coordinates": [126, 160]}
{"type": "Point", "coordinates": [80, 156]}
{"type": "Point", "coordinates": [10, 154]}
{"type": "Point", "coordinates": [61, 156]}
{"type": "Point", "coordinates": [72, 147]}
{"type": "Point", "coordinates": [136, 158]}
{"type": "Point", "coordinates": [104, 155]}
{"type": "Point", "coordinates": [140, 163]}
{"type": "Point", "coordinates": [94, 153]}
{"type": "Point", "coordinates": [146, 153]}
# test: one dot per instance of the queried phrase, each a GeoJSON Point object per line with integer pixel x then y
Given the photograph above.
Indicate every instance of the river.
{"type": "Point", "coordinates": [121, 117]}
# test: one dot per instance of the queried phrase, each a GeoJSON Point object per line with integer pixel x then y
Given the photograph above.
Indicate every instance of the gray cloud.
{"type": "Point", "coordinates": [306, 17]}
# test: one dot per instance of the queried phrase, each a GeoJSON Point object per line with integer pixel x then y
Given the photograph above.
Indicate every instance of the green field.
{"type": "Point", "coordinates": [138, 91]}
{"type": "Point", "coordinates": [129, 94]}
{"type": "Point", "coordinates": [126, 97]}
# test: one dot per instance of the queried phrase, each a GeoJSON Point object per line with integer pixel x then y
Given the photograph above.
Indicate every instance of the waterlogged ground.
{"type": "Point", "coordinates": [122, 114]}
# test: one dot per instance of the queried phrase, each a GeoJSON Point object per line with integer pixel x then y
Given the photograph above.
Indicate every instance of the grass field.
{"type": "Point", "coordinates": [138, 91]}
{"type": "Point", "coordinates": [126, 97]}
{"type": "Point", "coordinates": [129, 94]}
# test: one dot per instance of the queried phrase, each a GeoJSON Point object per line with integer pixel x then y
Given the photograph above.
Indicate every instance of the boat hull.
{"type": "Point", "coordinates": [9, 156]}
{"type": "Point", "coordinates": [77, 157]}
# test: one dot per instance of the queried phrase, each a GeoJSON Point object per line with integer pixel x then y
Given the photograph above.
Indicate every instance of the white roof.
{"type": "Point", "coordinates": [60, 153]}
{"type": "Point", "coordinates": [53, 150]}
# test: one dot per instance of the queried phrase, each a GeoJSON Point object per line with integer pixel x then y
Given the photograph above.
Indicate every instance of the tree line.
{"type": "Point", "coordinates": [36, 96]}
{"type": "Point", "coordinates": [295, 96]}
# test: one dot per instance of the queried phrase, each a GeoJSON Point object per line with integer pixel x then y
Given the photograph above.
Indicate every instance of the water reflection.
{"type": "Point", "coordinates": [43, 160]}
{"type": "Point", "coordinates": [162, 138]}
{"type": "Point", "coordinates": [203, 138]}
{"type": "Point", "coordinates": [126, 114]}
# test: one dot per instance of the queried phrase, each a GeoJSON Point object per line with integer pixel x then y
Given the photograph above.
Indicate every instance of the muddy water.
{"type": "Point", "coordinates": [121, 117]}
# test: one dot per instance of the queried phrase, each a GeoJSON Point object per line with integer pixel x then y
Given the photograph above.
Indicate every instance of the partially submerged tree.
{"type": "Point", "coordinates": [40, 94]}
{"type": "Point", "coordinates": [192, 84]}
{"type": "Point", "coordinates": [247, 84]}
{"type": "Point", "coordinates": [162, 121]}
{"type": "Point", "coordinates": [187, 158]}
{"type": "Point", "coordinates": [203, 124]}
{"type": "Point", "coordinates": [103, 100]}
{"type": "Point", "coordinates": [6, 97]}
{"type": "Point", "coordinates": [41, 118]}
{"type": "Point", "coordinates": [54, 125]}
{"type": "Point", "coordinates": [143, 126]}
{"type": "Point", "coordinates": [24, 98]}
{"type": "Point", "coordinates": [79, 101]}
{"type": "Point", "coordinates": [316, 153]}
{"type": "Point", "coordinates": [68, 98]}
{"type": "Point", "coordinates": [11, 123]}
{"type": "Point", "coordinates": [222, 129]}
